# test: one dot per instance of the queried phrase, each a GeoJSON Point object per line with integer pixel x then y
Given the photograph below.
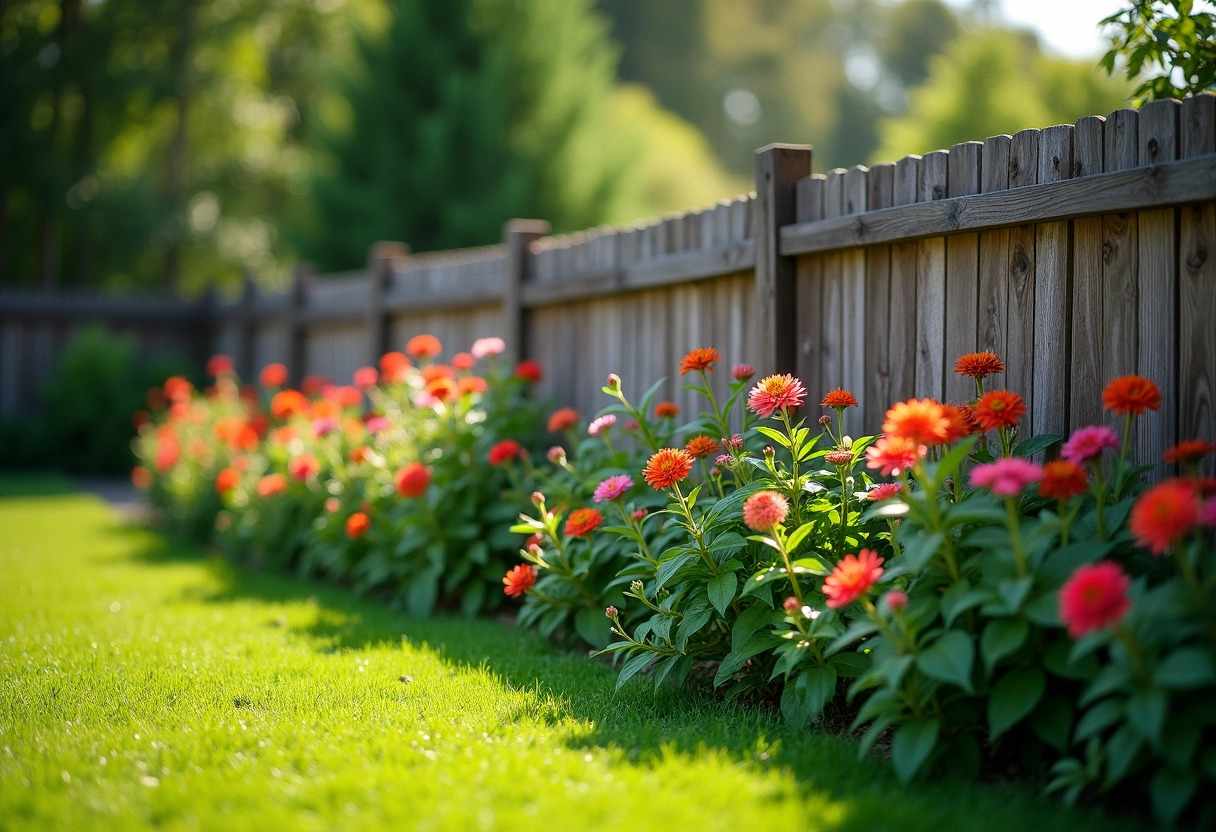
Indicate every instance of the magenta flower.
{"type": "Point", "coordinates": [1087, 443]}
{"type": "Point", "coordinates": [613, 488]}
{"type": "Point", "coordinates": [378, 423]}
{"type": "Point", "coordinates": [1006, 477]}
{"type": "Point", "coordinates": [323, 427]}
{"type": "Point", "coordinates": [600, 424]}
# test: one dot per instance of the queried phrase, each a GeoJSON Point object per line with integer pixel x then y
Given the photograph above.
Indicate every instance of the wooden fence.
{"type": "Point", "coordinates": [1078, 252]}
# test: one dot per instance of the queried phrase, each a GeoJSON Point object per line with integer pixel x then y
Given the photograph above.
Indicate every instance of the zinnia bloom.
{"type": "Point", "coordinates": [839, 457]}
{"type": "Point", "coordinates": [356, 525]}
{"type": "Point", "coordinates": [1192, 450]}
{"type": "Point", "coordinates": [667, 467]}
{"type": "Point", "coordinates": [961, 422]}
{"type": "Point", "coordinates": [700, 446]}
{"type": "Point", "coordinates": [1063, 480]}
{"type": "Point", "coordinates": [883, 491]}
{"type": "Point", "coordinates": [218, 365]}
{"type": "Point", "coordinates": [921, 421]}
{"type": "Point", "coordinates": [314, 384]}
{"type": "Point", "coordinates": [1131, 394]}
{"type": "Point", "coordinates": [1006, 477]}
{"type": "Point", "coordinates": [141, 478]}
{"type": "Point", "coordinates": [666, 410]}
{"type": "Point", "coordinates": [394, 366]}
{"type": "Point", "coordinates": [979, 364]}
{"type": "Point", "coordinates": [892, 454]}
{"type": "Point", "coordinates": [365, 377]}
{"type": "Point", "coordinates": [226, 480]}
{"type": "Point", "coordinates": [504, 452]}
{"type": "Point", "coordinates": [1087, 443]}
{"type": "Point", "coordinates": [463, 361]}
{"type": "Point", "coordinates": [472, 384]}
{"type": "Point", "coordinates": [177, 388]}
{"type": "Point", "coordinates": [582, 521]}
{"type": "Point", "coordinates": [272, 484]}
{"type": "Point", "coordinates": [613, 488]}
{"type": "Point", "coordinates": [742, 372]}
{"type": "Point", "coordinates": [517, 581]}
{"type": "Point", "coordinates": [999, 409]}
{"type": "Point", "coordinates": [563, 419]}
{"type": "Point", "coordinates": [375, 424]}
{"type": "Point", "coordinates": [273, 375]}
{"type": "Point", "coordinates": [484, 347]}
{"type": "Point", "coordinates": [780, 392]}
{"type": "Point", "coordinates": [441, 389]}
{"type": "Point", "coordinates": [702, 358]}
{"type": "Point", "coordinates": [303, 466]}
{"type": "Point", "coordinates": [765, 509]}
{"type": "Point", "coordinates": [600, 424]}
{"type": "Point", "coordinates": [412, 480]}
{"type": "Point", "coordinates": [1164, 513]}
{"type": "Point", "coordinates": [287, 403]}
{"type": "Point", "coordinates": [852, 578]}
{"type": "Point", "coordinates": [424, 346]}
{"type": "Point", "coordinates": [1095, 597]}
{"type": "Point", "coordinates": [529, 371]}
{"type": "Point", "coordinates": [839, 398]}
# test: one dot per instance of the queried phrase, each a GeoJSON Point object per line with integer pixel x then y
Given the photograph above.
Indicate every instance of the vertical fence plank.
{"type": "Point", "coordinates": [876, 397]}
{"type": "Point", "coordinates": [297, 327]}
{"type": "Point", "coordinates": [777, 167]}
{"type": "Point", "coordinates": [1020, 333]}
{"type": "Point", "coordinates": [1085, 366]}
{"type": "Point", "coordinates": [931, 284]}
{"type": "Point", "coordinates": [1120, 290]}
{"type": "Point", "coordinates": [382, 262]}
{"type": "Point", "coordinates": [518, 236]}
{"type": "Point", "coordinates": [831, 327]}
{"type": "Point", "coordinates": [247, 338]}
{"type": "Point", "coordinates": [809, 196]}
{"type": "Point", "coordinates": [1157, 275]}
{"type": "Point", "coordinates": [993, 301]}
{"type": "Point", "coordinates": [853, 306]}
{"type": "Point", "coordinates": [901, 354]}
{"type": "Point", "coordinates": [962, 274]}
{"type": "Point", "coordinates": [1051, 292]}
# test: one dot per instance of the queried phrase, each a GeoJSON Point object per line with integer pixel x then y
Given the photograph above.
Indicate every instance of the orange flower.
{"type": "Point", "coordinates": [177, 388]}
{"type": "Point", "coordinates": [979, 364]}
{"type": "Point", "coordinates": [962, 423]}
{"type": "Point", "coordinates": [921, 421]}
{"type": "Point", "coordinates": [424, 346]}
{"type": "Point", "coordinates": [892, 454]}
{"type": "Point", "coordinates": [702, 358]}
{"type": "Point", "coordinates": [999, 409]}
{"type": "Point", "coordinates": [287, 403]}
{"type": "Point", "coordinates": [472, 384]}
{"type": "Point", "coordinates": [700, 446]}
{"type": "Point", "coordinates": [839, 398]}
{"type": "Point", "coordinates": [563, 419]}
{"type": "Point", "coordinates": [852, 578]}
{"type": "Point", "coordinates": [443, 389]}
{"type": "Point", "coordinates": [1164, 513]}
{"type": "Point", "coordinates": [667, 467]}
{"type": "Point", "coordinates": [780, 392]}
{"type": "Point", "coordinates": [272, 484]}
{"type": "Point", "coordinates": [582, 521]}
{"type": "Point", "coordinates": [356, 525]}
{"type": "Point", "coordinates": [666, 410]}
{"type": "Point", "coordinates": [1063, 480]}
{"type": "Point", "coordinates": [274, 375]}
{"type": "Point", "coordinates": [1192, 450]}
{"type": "Point", "coordinates": [517, 581]}
{"type": "Point", "coordinates": [393, 367]}
{"type": "Point", "coordinates": [463, 361]}
{"type": "Point", "coordinates": [226, 480]}
{"type": "Point", "coordinates": [303, 466]}
{"type": "Point", "coordinates": [141, 478]}
{"type": "Point", "coordinates": [412, 480]}
{"type": "Point", "coordinates": [434, 371]}
{"type": "Point", "coordinates": [314, 384]}
{"type": "Point", "coordinates": [1131, 394]}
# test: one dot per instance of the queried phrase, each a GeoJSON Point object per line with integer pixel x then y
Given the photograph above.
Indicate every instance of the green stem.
{"type": "Point", "coordinates": [789, 567]}
{"type": "Point", "coordinates": [797, 487]}
{"type": "Point", "coordinates": [713, 402]}
{"type": "Point", "coordinates": [695, 530]}
{"type": "Point", "coordinates": [1015, 535]}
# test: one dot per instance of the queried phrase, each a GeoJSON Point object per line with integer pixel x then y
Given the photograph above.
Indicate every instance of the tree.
{"type": "Point", "coordinates": [1167, 40]}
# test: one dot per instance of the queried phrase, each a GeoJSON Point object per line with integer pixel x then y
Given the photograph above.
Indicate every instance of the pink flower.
{"type": "Point", "coordinates": [723, 460]}
{"type": "Point", "coordinates": [1087, 443]}
{"type": "Point", "coordinates": [1006, 477]}
{"type": "Point", "coordinates": [483, 347]}
{"type": "Point", "coordinates": [883, 491]}
{"type": "Point", "coordinates": [773, 393]}
{"type": "Point", "coordinates": [556, 454]}
{"type": "Point", "coordinates": [378, 423]}
{"type": "Point", "coordinates": [613, 488]}
{"type": "Point", "coordinates": [600, 424]}
{"type": "Point", "coordinates": [896, 600]}
{"type": "Point", "coordinates": [1094, 598]}
{"type": "Point", "coordinates": [1207, 514]}
{"type": "Point", "coordinates": [742, 372]}
{"type": "Point", "coordinates": [323, 427]}
{"type": "Point", "coordinates": [365, 377]}
{"type": "Point", "coordinates": [765, 509]}
{"type": "Point", "coordinates": [892, 454]}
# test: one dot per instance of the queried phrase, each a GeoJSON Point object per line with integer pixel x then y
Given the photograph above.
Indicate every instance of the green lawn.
{"type": "Point", "coordinates": [143, 683]}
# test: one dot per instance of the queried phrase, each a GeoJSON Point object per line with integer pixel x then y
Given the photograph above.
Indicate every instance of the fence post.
{"type": "Point", "coordinates": [517, 235]}
{"type": "Point", "coordinates": [206, 324]}
{"type": "Point", "coordinates": [297, 325]}
{"type": "Point", "coordinates": [248, 344]}
{"type": "Point", "coordinates": [778, 167]}
{"type": "Point", "coordinates": [383, 259]}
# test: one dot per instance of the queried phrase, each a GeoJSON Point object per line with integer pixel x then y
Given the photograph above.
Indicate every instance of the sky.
{"type": "Point", "coordinates": [1067, 27]}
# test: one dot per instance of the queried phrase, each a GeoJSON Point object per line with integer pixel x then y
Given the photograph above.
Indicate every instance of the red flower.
{"type": "Point", "coordinates": [463, 361]}
{"type": "Point", "coordinates": [393, 367]}
{"type": "Point", "coordinates": [1164, 513]}
{"type": "Point", "coordinates": [314, 384]}
{"type": "Point", "coordinates": [412, 480]}
{"type": "Point", "coordinates": [920, 421]}
{"type": "Point", "coordinates": [504, 452]}
{"type": "Point", "coordinates": [961, 422]}
{"type": "Point", "coordinates": [852, 578]}
{"type": "Point", "coordinates": [303, 466]}
{"type": "Point", "coordinates": [424, 346]}
{"type": "Point", "coordinates": [1063, 480]}
{"type": "Point", "coordinates": [1095, 597]}
{"type": "Point", "coordinates": [765, 509]}
{"type": "Point", "coordinates": [528, 370]}
{"type": "Point", "coordinates": [666, 410]}
{"type": "Point", "coordinates": [344, 396]}
{"type": "Point", "coordinates": [177, 388]}
{"type": "Point", "coordinates": [141, 478]}
{"type": "Point", "coordinates": [781, 392]}
{"type": "Point", "coordinates": [999, 409]}
{"type": "Point", "coordinates": [273, 375]}
{"type": "Point", "coordinates": [892, 454]}
{"type": "Point", "coordinates": [667, 467]}
{"type": "Point", "coordinates": [517, 581]}
{"type": "Point", "coordinates": [1131, 394]}
{"type": "Point", "coordinates": [1192, 450]}
{"type": "Point", "coordinates": [839, 398]}
{"type": "Point", "coordinates": [219, 365]}
{"type": "Point", "coordinates": [272, 484]}
{"type": "Point", "coordinates": [979, 364]}
{"type": "Point", "coordinates": [702, 358]}
{"type": "Point", "coordinates": [700, 446]}
{"type": "Point", "coordinates": [365, 377]}
{"type": "Point", "coordinates": [226, 480]}
{"type": "Point", "coordinates": [287, 403]}
{"type": "Point", "coordinates": [563, 419]}
{"type": "Point", "coordinates": [582, 521]}
{"type": "Point", "coordinates": [356, 525]}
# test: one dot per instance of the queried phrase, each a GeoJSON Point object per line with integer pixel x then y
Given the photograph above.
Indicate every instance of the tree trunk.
{"type": "Point", "coordinates": [175, 181]}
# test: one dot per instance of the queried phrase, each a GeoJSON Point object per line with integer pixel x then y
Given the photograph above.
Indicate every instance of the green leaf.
{"type": "Point", "coordinates": [755, 582]}
{"type": "Point", "coordinates": [1171, 790]}
{"type": "Point", "coordinates": [949, 659]}
{"type": "Point", "coordinates": [669, 568]}
{"type": "Point", "coordinates": [421, 594]}
{"type": "Point", "coordinates": [633, 665]}
{"type": "Point", "coordinates": [1001, 637]}
{"type": "Point", "coordinates": [735, 659]}
{"type": "Point", "coordinates": [1188, 667]}
{"type": "Point", "coordinates": [1121, 751]}
{"type": "Point", "coordinates": [1146, 713]}
{"type": "Point", "coordinates": [749, 621]}
{"type": "Point", "coordinates": [722, 591]}
{"type": "Point", "coordinates": [961, 597]}
{"type": "Point", "coordinates": [691, 623]}
{"type": "Point", "coordinates": [813, 566]}
{"type": "Point", "coordinates": [592, 626]}
{"type": "Point", "coordinates": [775, 435]}
{"type": "Point", "coordinates": [803, 701]}
{"type": "Point", "coordinates": [911, 746]}
{"type": "Point", "coordinates": [797, 536]}
{"type": "Point", "coordinates": [1112, 678]}
{"type": "Point", "coordinates": [1035, 444]}
{"type": "Point", "coordinates": [1105, 713]}
{"type": "Point", "coordinates": [1013, 697]}
{"type": "Point", "coordinates": [920, 547]}
{"type": "Point", "coordinates": [850, 665]}
{"type": "Point", "coordinates": [1052, 721]}
{"type": "Point", "coordinates": [952, 460]}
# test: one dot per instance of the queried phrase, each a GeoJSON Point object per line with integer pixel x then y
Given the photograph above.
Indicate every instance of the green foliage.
{"type": "Point", "coordinates": [1169, 45]}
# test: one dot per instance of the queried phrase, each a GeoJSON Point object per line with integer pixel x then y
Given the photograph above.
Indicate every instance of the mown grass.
{"type": "Point", "coordinates": [144, 683]}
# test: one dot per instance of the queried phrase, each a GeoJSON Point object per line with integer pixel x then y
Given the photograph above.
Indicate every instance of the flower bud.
{"type": "Point", "coordinates": [769, 451]}
{"type": "Point", "coordinates": [614, 381]}
{"type": "Point", "coordinates": [535, 549]}
{"type": "Point", "coordinates": [742, 372]}
{"type": "Point", "coordinates": [636, 586]}
{"type": "Point", "coordinates": [556, 454]}
{"type": "Point", "coordinates": [639, 513]}
{"type": "Point", "coordinates": [723, 460]}
{"type": "Point", "coordinates": [791, 605]}
{"type": "Point", "coordinates": [825, 420]}
{"type": "Point", "coordinates": [611, 612]}
{"type": "Point", "coordinates": [896, 600]}
{"type": "Point", "coordinates": [538, 499]}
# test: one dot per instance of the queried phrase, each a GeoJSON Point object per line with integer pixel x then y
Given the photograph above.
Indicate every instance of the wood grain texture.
{"type": "Point", "coordinates": [876, 396]}
{"type": "Point", "coordinates": [993, 301]}
{"type": "Point", "coordinates": [1020, 333]}
{"type": "Point", "coordinates": [931, 285]}
{"type": "Point", "coordinates": [1085, 367]}
{"type": "Point", "coordinates": [1120, 288]}
{"type": "Point", "coordinates": [962, 274]}
{"type": "Point", "coordinates": [1052, 298]}
{"type": "Point", "coordinates": [831, 325]}
{"type": "Point", "coordinates": [901, 353]}
{"type": "Point", "coordinates": [778, 168]}
{"type": "Point", "coordinates": [853, 303]}
{"type": "Point", "coordinates": [809, 195]}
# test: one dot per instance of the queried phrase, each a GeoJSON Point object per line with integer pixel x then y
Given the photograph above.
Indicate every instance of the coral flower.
{"type": "Point", "coordinates": [702, 358]}
{"type": "Point", "coordinates": [666, 410]}
{"type": "Point", "coordinates": [394, 367]}
{"type": "Point", "coordinates": [600, 424]}
{"type": "Point", "coordinates": [226, 480]}
{"type": "Point", "coordinates": [504, 452]}
{"type": "Point", "coordinates": [1095, 597]}
{"type": "Point", "coordinates": [742, 372]}
{"type": "Point", "coordinates": [485, 347]}
{"type": "Point", "coordinates": [765, 509]}
{"type": "Point", "coordinates": [365, 377]}
{"type": "Point", "coordinates": [1087, 443]}
{"type": "Point", "coordinates": [424, 346]}
{"type": "Point", "coordinates": [272, 484]}
{"type": "Point", "coordinates": [177, 388]}
{"type": "Point", "coordinates": [582, 521]}
{"type": "Point", "coordinates": [1131, 394]}
{"type": "Point", "coordinates": [273, 375]}
{"type": "Point", "coordinates": [218, 365]}
{"type": "Point", "coordinates": [892, 454]}
{"type": "Point", "coordinates": [839, 398]}
{"type": "Point", "coordinates": [314, 384]}
{"type": "Point", "coordinates": [463, 361]}
{"type": "Point", "coordinates": [979, 364]}
{"type": "Point", "coordinates": [839, 457]}
{"type": "Point", "coordinates": [530, 371]}
{"type": "Point", "coordinates": [517, 581]}
{"type": "Point", "coordinates": [667, 467]}
{"type": "Point", "coordinates": [1192, 450]}
{"type": "Point", "coordinates": [303, 466]}
{"type": "Point", "coordinates": [344, 396]}
{"type": "Point", "coordinates": [412, 480]}
{"type": "Point", "coordinates": [780, 392]}
{"type": "Point", "coordinates": [563, 419]}
{"type": "Point", "coordinates": [1006, 477]}
{"type": "Point", "coordinates": [999, 409]}
{"type": "Point", "coordinates": [852, 578]}
{"type": "Point", "coordinates": [441, 389]}
{"type": "Point", "coordinates": [287, 403]}
{"type": "Point", "coordinates": [921, 421]}
{"type": "Point", "coordinates": [434, 371]}
{"type": "Point", "coordinates": [613, 488]}
{"type": "Point", "coordinates": [1164, 513]}
{"type": "Point", "coordinates": [356, 525]}
{"type": "Point", "coordinates": [472, 384]}
{"type": "Point", "coordinates": [883, 491]}
{"type": "Point", "coordinates": [700, 446]}
{"type": "Point", "coordinates": [961, 422]}
{"type": "Point", "coordinates": [141, 478]}
{"type": "Point", "coordinates": [1063, 480]}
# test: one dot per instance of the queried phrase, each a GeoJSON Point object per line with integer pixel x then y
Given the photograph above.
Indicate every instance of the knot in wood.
{"type": "Point", "coordinates": [1197, 258]}
{"type": "Point", "coordinates": [1153, 148]}
{"type": "Point", "coordinates": [939, 192]}
{"type": "Point", "coordinates": [1055, 163]}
